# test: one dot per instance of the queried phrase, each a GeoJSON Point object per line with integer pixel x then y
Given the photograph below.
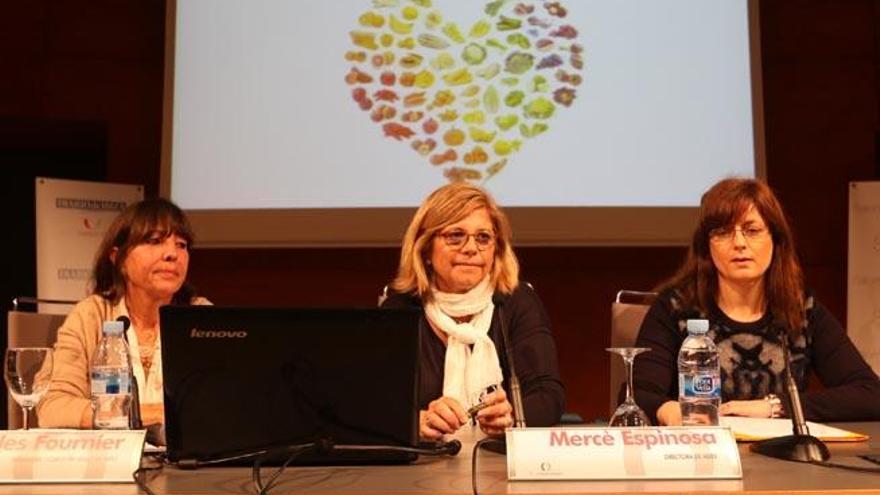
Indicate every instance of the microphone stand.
{"type": "Point", "coordinates": [134, 418]}
{"type": "Point", "coordinates": [519, 416]}
{"type": "Point", "coordinates": [499, 445]}
{"type": "Point", "coordinates": [800, 446]}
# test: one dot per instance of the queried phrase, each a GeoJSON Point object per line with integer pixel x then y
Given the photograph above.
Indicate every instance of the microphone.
{"type": "Point", "coordinates": [126, 324]}
{"type": "Point", "coordinates": [134, 419]}
{"type": "Point", "coordinates": [519, 415]}
{"type": "Point", "coordinates": [800, 446]}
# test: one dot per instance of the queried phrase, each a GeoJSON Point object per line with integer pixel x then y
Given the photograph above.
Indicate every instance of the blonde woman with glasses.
{"type": "Point", "coordinates": [458, 265]}
{"type": "Point", "coordinates": [743, 275]}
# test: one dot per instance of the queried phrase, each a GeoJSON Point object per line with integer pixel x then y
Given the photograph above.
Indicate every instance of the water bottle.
{"type": "Point", "coordinates": [110, 375]}
{"type": "Point", "coordinates": [699, 377]}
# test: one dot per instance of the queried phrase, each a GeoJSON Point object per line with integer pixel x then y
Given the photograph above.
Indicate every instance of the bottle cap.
{"type": "Point", "coordinates": [113, 328]}
{"type": "Point", "coordinates": [698, 326]}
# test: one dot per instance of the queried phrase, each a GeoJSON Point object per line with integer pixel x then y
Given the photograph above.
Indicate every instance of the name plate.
{"type": "Point", "coordinates": [588, 453]}
{"type": "Point", "coordinates": [70, 456]}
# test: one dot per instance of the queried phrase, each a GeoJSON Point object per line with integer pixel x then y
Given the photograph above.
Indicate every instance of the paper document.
{"type": "Point", "coordinates": [753, 429]}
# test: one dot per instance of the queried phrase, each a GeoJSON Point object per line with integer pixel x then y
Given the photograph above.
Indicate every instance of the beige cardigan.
{"type": "Point", "coordinates": [65, 403]}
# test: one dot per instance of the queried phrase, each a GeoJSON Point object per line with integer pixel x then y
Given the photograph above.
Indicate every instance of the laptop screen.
{"type": "Point", "coordinates": [243, 379]}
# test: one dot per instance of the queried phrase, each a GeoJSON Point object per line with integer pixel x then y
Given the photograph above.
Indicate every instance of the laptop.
{"type": "Point", "coordinates": [238, 380]}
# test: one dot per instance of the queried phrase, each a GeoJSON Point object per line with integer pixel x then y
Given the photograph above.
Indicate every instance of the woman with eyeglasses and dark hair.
{"type": "Point", "coordinates": [457, 263]}
{"type": "Point", "coordinates": [141, 265]}
{"type": "Point", "coordinates": [743, 275]}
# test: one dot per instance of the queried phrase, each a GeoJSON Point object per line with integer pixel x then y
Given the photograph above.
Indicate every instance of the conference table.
{"type": "Point", "coordinates": [452, 475]}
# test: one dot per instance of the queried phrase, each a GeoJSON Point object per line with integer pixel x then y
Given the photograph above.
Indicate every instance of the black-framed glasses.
{"type": "Point", "coordinates": [727, 234]}
{"type": "Point", "coordinates": [458, 238]}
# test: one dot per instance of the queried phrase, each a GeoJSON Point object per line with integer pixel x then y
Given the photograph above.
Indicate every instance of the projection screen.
{"type": "Point", "coordinates": [592, 122]}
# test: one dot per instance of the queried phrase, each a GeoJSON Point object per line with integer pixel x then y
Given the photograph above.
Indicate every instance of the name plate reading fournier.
{"type": "Point", "coordinates": [70, 456]}
{"type": "Point", "coordinates": [587, 453]}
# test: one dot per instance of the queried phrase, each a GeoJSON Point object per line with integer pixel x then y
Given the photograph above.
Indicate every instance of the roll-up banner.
{"type": "Point", "coordinates": [71, 219]}
{"type": "Point", "coordinates": [863, 287]}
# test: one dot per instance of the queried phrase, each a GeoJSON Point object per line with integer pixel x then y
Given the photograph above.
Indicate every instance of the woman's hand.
{"type": "Point", "coordinates": [669, 414]}
{"type": "Point", "coordinates": [87, 418]}
{"type": "Point", "coordinates": [498, 415]}
{"type": "Point", "coordinates": [759, 408]}
{"type": "Point", "coordinates": [444, 415]}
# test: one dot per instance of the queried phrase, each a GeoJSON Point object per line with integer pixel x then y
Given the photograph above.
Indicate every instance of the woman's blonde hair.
{"type": "Point", "coordinates": [443, 207]}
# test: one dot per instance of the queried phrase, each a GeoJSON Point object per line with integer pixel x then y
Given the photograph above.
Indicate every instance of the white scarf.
{"type": "Point", "coordinates": [468, 372]}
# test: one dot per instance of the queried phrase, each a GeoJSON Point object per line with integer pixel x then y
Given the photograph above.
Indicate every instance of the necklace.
{"type": "Point", "coordinates": [147, 341]}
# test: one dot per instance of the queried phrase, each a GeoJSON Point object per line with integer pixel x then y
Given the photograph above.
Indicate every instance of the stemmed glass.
{"type": "Point", "coordinates": [27, 371]}
{"type": "Point", "coordinates": [628, 413]}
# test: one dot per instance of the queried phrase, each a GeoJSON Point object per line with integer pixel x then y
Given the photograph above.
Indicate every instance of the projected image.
{"type": "Point", "coordinates": [350, 104]}
{"type": "Point", "coordinates": [465, 97]}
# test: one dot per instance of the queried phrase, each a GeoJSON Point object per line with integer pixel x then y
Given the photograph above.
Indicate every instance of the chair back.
{"type": "Point", "coordinates": [28, 329]}
{"type": "Point", "coordinates": [627, 313]}
{"type": "Point", "coordinates": [382, 296]}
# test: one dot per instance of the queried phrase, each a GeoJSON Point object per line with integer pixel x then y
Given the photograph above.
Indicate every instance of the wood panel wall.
{"type": "Point", "coordinates": [102, 61]}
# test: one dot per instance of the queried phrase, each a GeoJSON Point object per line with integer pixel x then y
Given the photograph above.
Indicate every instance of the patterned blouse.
{"type": "Point", "coordinates": [751, 359]}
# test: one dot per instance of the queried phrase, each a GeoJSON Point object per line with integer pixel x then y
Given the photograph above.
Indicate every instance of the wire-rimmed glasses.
{"type": "Point", "coordinates": [751, 233]}
{"type": "Point", "coordinates": [27, 371]}
{"type": "Point", "coordinates": [456, 239]}
{"type": "Point", "coordinates": [628, 413]}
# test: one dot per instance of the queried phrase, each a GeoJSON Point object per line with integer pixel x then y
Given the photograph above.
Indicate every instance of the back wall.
{"type": "Point", "coordinates": [99, 64]}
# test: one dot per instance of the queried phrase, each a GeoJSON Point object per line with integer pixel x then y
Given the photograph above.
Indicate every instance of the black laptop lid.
{"type": "Point", "coordinates": [240, 379]}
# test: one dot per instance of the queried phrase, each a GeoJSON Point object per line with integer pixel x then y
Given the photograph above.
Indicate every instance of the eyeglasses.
{"type": "Point", "coordinates": [751, 233]}
{"type": "Point", "coordinates": [458, 238]}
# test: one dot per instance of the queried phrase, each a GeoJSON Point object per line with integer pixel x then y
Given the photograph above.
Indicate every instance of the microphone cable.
{"type": "Point", "coordinates": [140, 474]}
{"type": "Point", "coordinates": [190, 464]}
{"type": "Point", "coordinates": [295, 451]}
{"type": "Point", "coordinates": [847, 467]}
{"type": "Point", "coordinates": [477, 446]}
{"type": "Point", "coordinates": [449, 448]}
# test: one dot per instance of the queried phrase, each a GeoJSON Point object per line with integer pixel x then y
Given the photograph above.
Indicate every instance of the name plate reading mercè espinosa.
{"type": "Point", "coordinates": [70, 456]}
{"type": "Point", "coordinates": [589, 453]}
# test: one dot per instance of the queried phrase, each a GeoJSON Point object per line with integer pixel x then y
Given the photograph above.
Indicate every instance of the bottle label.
{"type": "Point", "coordinates": [703, 386]}
{"type": "Point", "coordinates": [110, 382]}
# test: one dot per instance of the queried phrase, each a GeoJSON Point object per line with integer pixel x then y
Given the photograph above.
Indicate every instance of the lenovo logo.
{"type": "Point", "coordinates": [195, 333]}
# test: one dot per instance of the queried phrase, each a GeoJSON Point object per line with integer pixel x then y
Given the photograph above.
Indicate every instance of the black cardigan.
{"type": "Point", "coordinates": [534, 352]}
{"type": "Point", "coordinates": [752, 365]}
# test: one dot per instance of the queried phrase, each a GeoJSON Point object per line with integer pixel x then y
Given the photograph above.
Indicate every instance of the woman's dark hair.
{"type": "Point", "coordinates": [722, 207]}
{"type": "Point", "coordinates": [135, 225]}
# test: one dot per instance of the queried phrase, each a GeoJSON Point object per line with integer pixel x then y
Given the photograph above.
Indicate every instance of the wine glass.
{"type": "Point", "coordinates": [628, 413]}
{"type": "Point", "coordinates": [27, 371]}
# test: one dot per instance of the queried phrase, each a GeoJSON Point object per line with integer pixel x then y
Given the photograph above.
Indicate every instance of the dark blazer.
{"type": "Point", "coordinates": [534, 354]}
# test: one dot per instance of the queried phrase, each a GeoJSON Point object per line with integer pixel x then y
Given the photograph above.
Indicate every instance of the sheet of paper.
{"type": "Point", "coordinates": [751, 429]}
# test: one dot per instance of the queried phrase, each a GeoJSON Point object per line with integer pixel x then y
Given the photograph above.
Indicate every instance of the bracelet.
{"type": "Point", "coordinates": [775, 405]}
